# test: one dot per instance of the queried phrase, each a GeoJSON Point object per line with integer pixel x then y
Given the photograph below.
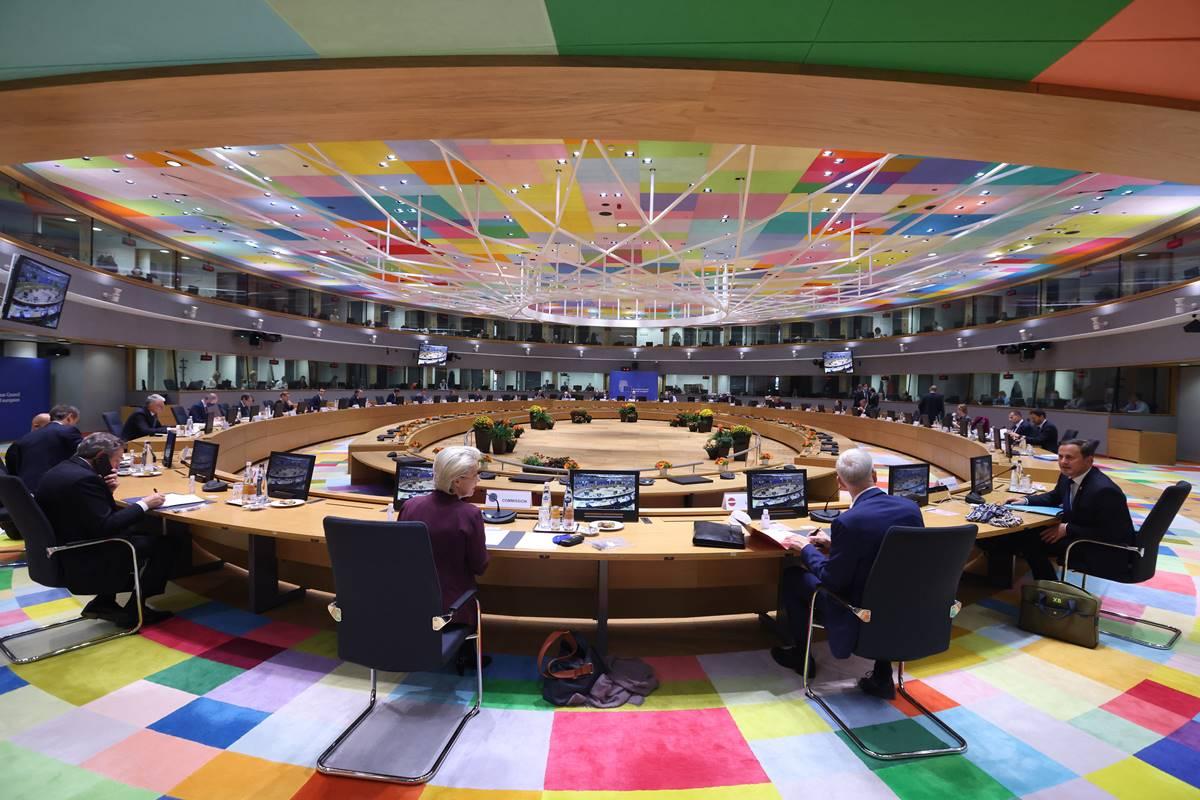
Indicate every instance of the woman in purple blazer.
{"type": "Point", "coordinates": [455, 525]}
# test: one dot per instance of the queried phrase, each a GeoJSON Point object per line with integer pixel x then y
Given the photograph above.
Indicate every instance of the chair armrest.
{"type": "Point", "coordinates": [1141, 551]}
{"type": "Point", "coordinates": [442, 620]}
{"type": "Point", "coordinates": [863, 614]}
{"type": "Point", "coordinates": [50, 551]}
{"type": "Point", "coordinates": [335, 611]}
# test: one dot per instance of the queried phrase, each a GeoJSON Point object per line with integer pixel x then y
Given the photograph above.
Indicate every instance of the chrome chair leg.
{"type": "Point", "coordinates": [1138, 620]}
{"type": "Point", "coordinates": [136, 597]}
{"type": "Point", "coordinates": [959, 747]}
{"type": "Point", "coordinates": [322, 762]}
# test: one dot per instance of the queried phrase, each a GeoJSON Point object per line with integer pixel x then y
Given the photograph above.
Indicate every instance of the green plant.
{"type": "Point", "coordinates": [705, 412]}
{"type": "Point", "coordinates": [483, 423]}
{"type": "Point", "coordinates": [741, 430]}
{"type": "Point", "coordinates": [723, 436]}
{"type": "Point", "coordinates": [534, 460]}
{"type": "Point", "coordinates": [504, 432]}
{"type": "Point", "coordinates": [540, 415]}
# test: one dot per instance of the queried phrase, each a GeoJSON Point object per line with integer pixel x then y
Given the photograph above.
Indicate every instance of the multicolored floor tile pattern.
{"type": "Point", "coordinates": [221, 703]}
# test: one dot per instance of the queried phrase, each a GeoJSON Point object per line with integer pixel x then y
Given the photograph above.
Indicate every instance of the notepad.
{"type": "Point", "coordinates": [501, 538]}
{"type": "Point", "coordinates": [537, 541]}
{"type": "Point", "coordinates": [172, 500]}
{"type": "Point", "coordinates": [1048, 511]}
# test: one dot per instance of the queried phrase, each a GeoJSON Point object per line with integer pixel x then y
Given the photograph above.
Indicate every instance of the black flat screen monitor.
{"type": "Point", "coordinates": [981, 474]}
{"type": "Point", "coordinates": [209, 418]}
{"type": "Point", "coordinates": [289, 475]}
{"type": "Point", "coordinates": [605, 494]}
{"type": "Point", "coordinates": [1008, 441]}
{"type": "Point", "coordinates": [169, 450]}
{"type": "Point", "coordinates": [411, 481]}
{"type": "Point", "coordinates": [432, 355]}
{"type": "Point", "coordinates": [785, 492]}
{"type": "Point", "coordinates": [204, 461]}
{"type": "Point", "coordinates": [964, 426]}
{"type": "Point", "coordinates": [35, 293]}
{"type": "Point", "coordinates": [996, 437]}
{"type": "Point", "coordinates": [838, 361]}
{"type": "Point", "coordinates": [911, 481]}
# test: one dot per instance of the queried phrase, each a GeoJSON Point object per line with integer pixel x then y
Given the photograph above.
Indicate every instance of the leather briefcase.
{"type": "Point", "coordinates": [1061, 611]}
{"type": "Point", "coordinates": [718, 534]}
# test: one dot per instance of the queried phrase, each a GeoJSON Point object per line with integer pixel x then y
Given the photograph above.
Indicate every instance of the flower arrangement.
{"type": "Point", "coordinates": [437, 450]}
{"type": "Point", "coordinates": [570, 463]}
{"type": "Point", "coordinates": [630, 407]}
{"type": "Point", "coordinates": [741, 430]}
{"type": "Point", "coordinates": [518, 431]}
{"type": "Point", "coordinates": [535, 409]}
{"type": "Point", "coordinates": [722, 461]}
{"type": "Point", "coordinates": [662, 465]}
{"type": "Point", "coordinates": [705, 412]}
{"type": "Point", "coordinates": [767, 456]}
{"type": "Point", "coordinates": [483, 423]}
{"type": "Point", "coordinates": [534, 460]}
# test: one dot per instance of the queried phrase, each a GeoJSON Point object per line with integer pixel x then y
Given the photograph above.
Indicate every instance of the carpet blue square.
{"type": "Point", "coordinates": [1174, 759]}
{"type": "Point", "coordinates": [1016, 765]}
{"type": "Point", "coordinates": [9, 680]}
{"type": "Point", "coordinates": [41, 596]}
{"type": "Point", "coordinates": [226, 619]}
{"type": "Point", "coordinates": [210, 722]}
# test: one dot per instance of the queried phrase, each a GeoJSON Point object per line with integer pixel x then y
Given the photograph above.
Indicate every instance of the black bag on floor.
{"type": "Point", "coordinates": [1061, 611]}
{"type": "Point", "coordinates": [568, 665]}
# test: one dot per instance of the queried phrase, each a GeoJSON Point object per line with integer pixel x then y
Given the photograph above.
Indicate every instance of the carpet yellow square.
{"type": "Point", "coordinates": [86, 675]}
{"type": "Point", "coordinates": [1135, 779]}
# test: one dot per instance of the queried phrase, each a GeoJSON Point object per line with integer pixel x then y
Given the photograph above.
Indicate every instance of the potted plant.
{"type": "Point", "coordinates": [540, 420]}
{"type": "Point", "coordinates": [724, 441]}
{"type": "Point", "coordinates": [503, 438]}
{"type": "Point", "coordinates": [518, 431]}
{"type": "Point", "coordinates": [704, 420]}
{"type": "Point", "coordinates": [693, 423]}
{"type": "Point", "coordinates": [534, 410]}
{"type": "Point", "coordinates": [535, 460]}
{"type": "Point", "coordinates": [579, 416]}
{"type": "Point", "coordinates": [628, 413]}
{"type": "Point", "coordinates": [765, 458]}
{"type": "Point", "coordinates": [483, 432]}
{"type": "Point", "coordinates": [662, 467]}
{"type": "Point", "coordinates": [741, 441]}
{"type": "Point", "coordinates": [723, 465]}
{"type": "Point", "coordinates": [680, 420]}
{"type": "Point", "coordinates": [712, 448]}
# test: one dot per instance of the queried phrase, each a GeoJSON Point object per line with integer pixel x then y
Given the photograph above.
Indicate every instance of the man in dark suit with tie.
{"type": "Point", "coordinates": [932, 406]}
{"type": "Point", "coordinates": [245, 406]}
{"type": "Point", "coordinates": [1042, 432]}
{"type": "Point", "coordinates": [359, 400]}
{"type": "Point", "coordinates": [1093, 508]}
{"type": "Point", "coordinates": [144, 421]}
{"type": "Point", "coordinates": [77, 498]}
{"type": "Point", "coordinates": [841, 562]}
{"type": "Point", "coordinates": [318, 400]}
{"type": "Point", "coordinates": [31, 456]}
{"type": "Point", "coordinates": [1018, 425]}
{"type": "Point", "coordinates": [200, 410]}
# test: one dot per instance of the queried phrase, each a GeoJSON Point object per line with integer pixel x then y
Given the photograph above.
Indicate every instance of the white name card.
{"type": "Point", "coordinates": [734, 501]}
{"type": "Point", "coordinates": [949, 481]}
{"type": "Point", "coordinates": [509, 498]}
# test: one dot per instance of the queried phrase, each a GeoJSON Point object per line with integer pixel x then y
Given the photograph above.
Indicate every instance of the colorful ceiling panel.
{"type": "Point", "coordinates": [1142, 46]}
{"type": "Point", "coordinates": [647, 232]}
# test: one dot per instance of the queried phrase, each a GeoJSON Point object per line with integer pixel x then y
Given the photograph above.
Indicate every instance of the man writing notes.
{"type": "Point", "coordinates": [841, 563]}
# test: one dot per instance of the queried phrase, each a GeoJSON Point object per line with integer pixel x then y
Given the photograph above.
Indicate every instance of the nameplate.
{"type": "Point", "coordinates": [734, 501]}
{"type": "Point", "coordinates": [949, 481]}
{"type": "Point", "coordinates": [509, 498]}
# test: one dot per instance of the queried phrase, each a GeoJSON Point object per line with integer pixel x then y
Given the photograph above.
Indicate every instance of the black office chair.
{"type": "Point", "coordinates": [112, 420]}
{"type": "Point", "coordinates": [1105, 560]}
{"type": "Point", "coordinates": [180, 413]}
{"type": "Point", "coordinates": [907, 607]}
{"type": "Point", "coordinates": [343, 402]}
{"type": "Point", "coordinates": [1069, 433]}
{"type": "Point", "coordinates": [390, 617]}
{"type": "Point", "coordinates": [41, 545]}
{"type": "Point", "coordinates": [490, 398]}
{"type": "Point", "coordinates": [380, 400]}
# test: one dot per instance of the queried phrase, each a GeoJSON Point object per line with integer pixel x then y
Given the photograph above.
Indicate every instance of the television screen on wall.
{"type": "Point", "coordinates": [838, 361]}
{"type": "Point", "coordinates": [35, 293]}
{"type": "Point", "coordinates": [431, 355]}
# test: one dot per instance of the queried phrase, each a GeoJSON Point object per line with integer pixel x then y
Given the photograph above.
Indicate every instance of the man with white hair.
{"type": "Point", "coordinates": [144, 421]}
{"type": "Point", "coordinates": [841, 563]}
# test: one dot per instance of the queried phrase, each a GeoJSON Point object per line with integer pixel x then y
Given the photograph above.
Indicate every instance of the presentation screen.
{"type": "Point", "coordinates": [600, 494]}
{"type": "Point", "coordinates": [289, 475]}
{"type": "Point", "coordinates": [838, 361]}
{"type": "Point", "coordinates": [24, 391]}
{"type": "Point", "coordinates": [432, 355]}
{"type": "Point", "coordinates": [633, 385]}
{"type": "Point", "coordinates": [781, 491]}
{"type": "Point", "coordinates": [35, 293]}
{"type": "Point", "coordinates": [411, 481]}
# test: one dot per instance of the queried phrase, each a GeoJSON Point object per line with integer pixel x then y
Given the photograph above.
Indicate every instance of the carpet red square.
{"type": "Point", "coordinates": [180, 633]}
{"type": "Point", "coordinates": [648, 750]}
{"type": "Point", "coordinates": [1165, 697]}
{"type": "Point", "coordinates": [244, 653]}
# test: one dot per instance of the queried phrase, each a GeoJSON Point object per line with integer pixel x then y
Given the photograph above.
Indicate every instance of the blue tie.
{"type": "Point", "coordinates": [1067, 497]}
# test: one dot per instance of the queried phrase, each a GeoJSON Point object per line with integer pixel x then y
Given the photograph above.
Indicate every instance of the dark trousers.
{"type": "Point", "coordinates": [1028, 545]}
{"type": "Point", "coordinates": [798, 585]}
{"type": "Point", "coordinates": [108, 566]}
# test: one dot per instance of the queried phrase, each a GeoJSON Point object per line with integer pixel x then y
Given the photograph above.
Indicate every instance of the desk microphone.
{"type": "Point", "coordinates": [824, 515]}
{"type": "Point", "coordinates": [498, 517]}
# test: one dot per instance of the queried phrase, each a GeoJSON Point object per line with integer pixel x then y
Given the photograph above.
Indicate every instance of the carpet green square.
{"type": "Point", "coordinates": [30, 775]}
{"type": "Point", "coordinates": [196, 675]}
{"type": "Point", "coordinates": [887, 737]}
{"type": "Point", "coordinates": [5, 579]}
{"type": "Point", "coordinates": [939, 778]}
{"type": "Point", "coordinates": [523, 695]}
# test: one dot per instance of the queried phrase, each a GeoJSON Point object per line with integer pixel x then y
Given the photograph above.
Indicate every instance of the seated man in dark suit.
{"type": "Point", "coordinates": [200, 410]}
{"type": "Point", "coordinates": [394, 398]}
{"type": "Point", "coordinates": [932, 405]}
{"type": "Point", "coordinates": [841, 562]}
{"type": "Point", "coordinates": [283, 405]}
{"type": "Point", "coordinates": [1042, 432]}
{"type": "Point", "coordinates": [244, 406]}
{"type": "Point", "coordinates": [77, 498]}
{"type": "Point", "coordinates": [317, 401]}
{"type": "Point", "coordinates": [31, 456]}
{"type": "Point", "coordinates": [359, 400]}
{"type": "Point", "coordinates": [144, 421]}
{"type": "Point", "coordinates": [1093, 508]}
{"type": "Point", "coordinates": [1018, 425]}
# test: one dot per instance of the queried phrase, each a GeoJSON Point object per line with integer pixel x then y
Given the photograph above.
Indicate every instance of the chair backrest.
{"type": "Point", "coordinates": [1155, 526]}
{"type": "Point", "coordinates": [910, 591]}
{"type": "Point", "coordinates": [180, 413]}
{"type": "Point", "coordinates": [388, 591]}
{"type": "Point", "coordinates": [112, 420]}
{"type": "Point", "coordinates": [1069, 433]}
{"type": "Point", "coordinates": [35, 529]}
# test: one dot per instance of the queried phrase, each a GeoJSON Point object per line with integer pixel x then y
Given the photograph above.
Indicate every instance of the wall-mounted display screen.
{"type": "Point", "coordinates": [838, 361]}
{"type": "Point", "coordinates": [430, 355]}
{"type": "Point", "coordinates": [35, 293]}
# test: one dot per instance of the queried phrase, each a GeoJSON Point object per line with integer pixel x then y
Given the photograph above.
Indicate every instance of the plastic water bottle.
{"type": "Point", "coordinates": [766, 518]}
{"type": "Point", "coordinates": [1014, 478]}
{"type": "Point", "coordinates": [191, 484]}
{"type": "Point", "coordinates": [237, 419]}
{"type": "Point", "coordinates": [391, 512]}
{"type": "Point", "coordinates": [190, 424]}
{"type": "Point", "coordinates": [568, 510]}
{"type": "Point", "coordinates": [544, 511]}
{"type": "Point", "coordinates": [147, 457]}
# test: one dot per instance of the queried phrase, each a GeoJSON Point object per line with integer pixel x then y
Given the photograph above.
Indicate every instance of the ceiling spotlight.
{"type": "Point", "coordinates": [575, 153]}
{"type": "Point", "coordinates": [86, 158]}
{"type": "Point", "coordinates": [827, 153]}
{"type": "Point", "coordinates": [97, 230]}
{"type": "Point", "coordinates": [616, 194]}
{"type": "Point", "coordinates": [838, 160]}
{"type": "Point", "coordinates": [114, 169]}
{"type": "Point", "coordinates": [525, 186]}
{"type": "Point", "coordinates": [70, 219]}
{"type": "Point", "coordinates": [317, 332]}
{"type": "Point", "coordinates": [252, 153]}
{"type": "Point", "coordinates": [828, 172]}
{"type": "Point", "coordinates": [629, 154]}
{"type": "Point", "coordinates": [130, 182]}
{"type": "Point", "coordinates": [647, 160]}
{"type": "Point", "coordinates": [391, 156]}
{"type": "Point", "coordinates": [561, 161]}
{"type": "Point", "coordinates": [513, 191]}
{"type": "Point", "coordinates": [173, 163]}
{"type": "Point", "coordinates": [383, 163]}
{"type": "Point", "coordinates": [707, 189]}
{"type": "Point", "coordinates": [129, 156]}
{"type": "Point", "coordinates": [619, 225]}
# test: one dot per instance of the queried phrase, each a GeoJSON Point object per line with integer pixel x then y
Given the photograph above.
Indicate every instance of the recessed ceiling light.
{"type": "Point", "coordinates": [173, 163]}
{"type": "Point", "coordinates": [1142, 255]}
{"type": "Point", "coordinates": [1127, 191]}
{"type": "Point", "coordinates": [838, 160]}
{"type": "Point", "coordinates": [391, 156]}
{"type": "Point", "coordinates": [707, 189]}
{"type": "Point", "coordinates": [647, 160]}
{"type": "Point", "coordinates": [1076, 208]}
{"type": "Point", "coordinates": [383, 163]}
{"type": "Point", "coordinates": [70, 219]}
{"type": "Point", "coordinates": [575, 153]}
{"type": "Point", "coordinates": [86, 158]}
{"type": "Point", "coordinates": [164, 251]}
{"type": "Point", "coordinates": [616, 194]}
{"type": "Point", "coordinates": [622, 224]}
{"type": "Point", "coordinates": [267, 178]}
{"type": "Point", "coordinates": [1098, 197]}
{"type": "Point", "coordinates": [97, 230]}
{"type": "Point", "coordinates": [828, 172]}
{"type": "Point", "coordinates": [252, 153]}
{"type": "Point", "coordinates": [849, 185]}
{"type": "Point", "coordinates": [827, 153]}
{"type": "Point", "coordinates": [513, 191]}
{"type": "Point", "coordinates": [985, 192]}
{"type": "Point", "coordinates": [127, 180]}
{"type": "Point", "coordinates": [561, 161]}
{"type": "Point", "coordinates": [129, 156]}
{"type": "Point", "coordinates": [114, 169]}
{"type": "Point", "coordinates": [978, 174]}
{"type": "Point", "coordinates": [629, 154]}
{"type": "Point", "coordinates": [526, 186]}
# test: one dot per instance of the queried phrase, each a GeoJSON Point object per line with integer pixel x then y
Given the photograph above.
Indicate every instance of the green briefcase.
{"type": "Point", "coordinates": [1061, 611]}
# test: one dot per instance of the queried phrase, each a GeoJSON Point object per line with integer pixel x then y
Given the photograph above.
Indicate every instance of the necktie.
{"type": "Point", "coordinates": [1068, 500]}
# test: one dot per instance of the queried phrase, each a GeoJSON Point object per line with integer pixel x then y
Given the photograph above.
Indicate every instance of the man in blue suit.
{"type": "Point", "coordinates": [32, 456]}
{"type": "Point", "coordinates": [199, 411]}
{"type": "Point", "coordinates": [841, 563]}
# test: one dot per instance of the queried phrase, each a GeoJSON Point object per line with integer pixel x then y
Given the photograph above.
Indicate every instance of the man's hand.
{"type": "Point", "coordinates": [796, 543]}
{"type": "Point", "coordinates": [154, 500]}
{"type": "Point", "coordinates": [110, 480]}
{"type": "Point", "coordinates": [820, 540]}
{"type": "Point", "coordinates": [1017, 501]}
{"type": "Point", "coordinates": [1054, 533]}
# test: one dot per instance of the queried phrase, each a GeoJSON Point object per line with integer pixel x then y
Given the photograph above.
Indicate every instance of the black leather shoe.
{"type": "Point", "coordinates": [102, 608]}
{"type": "Point", "coordinates": [883, 688]}
{"type": "Point", "coordinates": [150, 616]}
{"type": "Point", "coordinates": [792, 658]}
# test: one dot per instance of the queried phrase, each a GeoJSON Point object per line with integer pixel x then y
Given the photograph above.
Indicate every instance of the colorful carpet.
{"type": "Point", "coordinates": [221, 703]}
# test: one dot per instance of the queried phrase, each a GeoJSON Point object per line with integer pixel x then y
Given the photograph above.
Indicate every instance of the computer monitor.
{"type": "Point", "coordinates": [911, 481]}
{"type": "Point", "coordinates": [209, 418]}
{"type": "Point", "coordinates": [784, 492]}
{"type": "Point", "coordinates": [289, 475]}
{"type": "Point", "coordinates": [169, 450]}
{"type": "Point", "coordinates": [204, 460]}
{"type": "Point", "coordinates": [996, 437]}
{"type": "Point", "coordinates": [981, 474]}
{"type": "Point", "coordinates": [1008, 442]}
{"type": "Point", "coordinates": [926, 422]}
{"type": "Point", "coordinates": [964, 426]}
{"type": "Point", "coordinates": [411, 481]}
{"type": "Point", "coordinates": [605, 494]}
{"type": "Point", "coordinates": [908, 417]}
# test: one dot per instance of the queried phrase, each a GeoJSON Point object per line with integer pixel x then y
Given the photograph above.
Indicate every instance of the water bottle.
{"type": "Point", "coordinates": [191, 484]}
{"type": "Point", "coordinates": [190, 425]}
{"type": "Point", "coordinates": [391, 512]}
{"type": "Point", "coordinates": [260, 484]}
{"type": "Point", "coordinates": [147, 457]}
{"type": "Point", "coordinates": [568, 510]}
{"type": "Point", "coordinates": [238, 418]}
{"type": "Point", "coordinates": [766, 518]}
{"type": "Point", "coordinates": [1014, 476]}
{"type": "Point", "coordinates": [544, 511]}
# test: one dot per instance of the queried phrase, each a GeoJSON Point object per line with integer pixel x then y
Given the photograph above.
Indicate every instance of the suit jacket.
{"type": "Point", "coordinates": [279, 408]}
{"type": "Point", "coordinates": [1045, 437]}
{"type": "Point", "coordinates": [31, 456]}
{"type": "Point", "coordinates": [1100, 510]}
{"type": "Point", "coordinates": [357, 402]}
{"type": "Point", "coordinates": [855, 538]}
{"type": "Point", "coordinates": [316, 402]}
{"type": "Point", "coordinates": [933, 406]}
{"type": "Point", "coordinates": [199, 411]}
{"type": "Point", "coordinates": [1024, 428]}
{"type": "Point", "coordinates": [245, 409]}
{"type": "Point", "coordinates": [141, 423]}
{"type": "Point", "coordinates": [80, 507]}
